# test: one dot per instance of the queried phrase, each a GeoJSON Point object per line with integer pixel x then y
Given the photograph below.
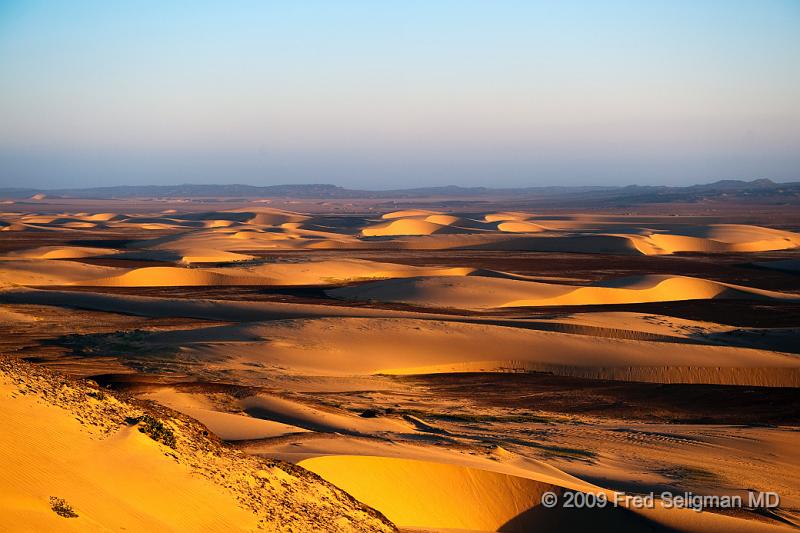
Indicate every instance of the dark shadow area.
{"type": "Point", "coordinates": [558, 520]}
{"type": "Point", "coordinates": [654, 402]}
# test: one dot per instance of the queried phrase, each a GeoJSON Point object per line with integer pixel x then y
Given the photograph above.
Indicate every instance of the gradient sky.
{"type": "Point", "coordinates": [392, 94]}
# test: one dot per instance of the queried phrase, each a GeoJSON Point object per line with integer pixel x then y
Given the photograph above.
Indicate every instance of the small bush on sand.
{"type": "Point", "coordinates": [62, 508]}
{"type": "Point", "coordinates": [154, 428]}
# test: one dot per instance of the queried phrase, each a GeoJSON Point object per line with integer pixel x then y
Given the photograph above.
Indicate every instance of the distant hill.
{"type": "Point", "coordinates": [760, 191]}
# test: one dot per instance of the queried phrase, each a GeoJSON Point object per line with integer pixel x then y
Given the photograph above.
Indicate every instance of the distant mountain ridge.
{"type": "Point", "coordinates": [764, 189]}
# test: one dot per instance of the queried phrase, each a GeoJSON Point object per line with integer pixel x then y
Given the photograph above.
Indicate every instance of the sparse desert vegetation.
{"type": "Point", "coordinates": [62, 508]}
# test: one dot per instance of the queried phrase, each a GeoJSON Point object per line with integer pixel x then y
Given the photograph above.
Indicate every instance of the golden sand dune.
{"type": "Point", "coordinates": [407, 342]}
{"type": "Point", "coordinates": [46, 219]}
{"type": "Point", "coordinates": [423, 494]}
{"type": "Point", "coordinates": [18, 226]}
{"type": "Point", "coordinates": [45, 272]}
{"type": "Point", "coordinates": [498, 459]}
{"type": "Point", "coordinates": [271, 416]}
{"type": "Point", "coordinates": [57, 252]}
{"type": "Point", "coordinates": [269, 229]}
{"type": "Point", "coordinates": [324, 346]}
{"type": "Point", "coordinates": [738, 233]}
{"type": "Point", "coordinates": [176, 276]}
{"type": "Point", "coordinates": [312, 418]}
{"type": "Point", "coordinates": [185, 256]}
{"type": "Point", "coordinates": [520, 227]}
{"type": "Point", "coordinates": [307, 273]}
{"type": "Point", "coordinates": [508, 477]}
{"type": "Point", "coordinates": [586, 234]}
{"type": "Point", "coordinates": [478, 292]}
{"type": "Point", "coordinates": [239, 238]}
{"type": "Point", "coordinates": [420, 494]}
{"type": "Point", "coordinates": [226, 426]}
{"type": "Point", "coordinates": [425, 223]}
{"type": "Point", "coordinates": [406, 226]}
{"type": "Point", "coordinates": [269, 216]}
{"type": "Point", "coordinates": [510, 216]}
{"type": "Point", "coordinates": [218, 223]}
{"type": "Point", "coordinates": [109, 474]}
{"type": "Point", "coordinates": [459, 222]}
{"type": "Point", "coordinates": [642, 322]}
{"type": "Point", "coordinates": [719, 238]}
{"type": "Point", "coordinates": [104, 217]}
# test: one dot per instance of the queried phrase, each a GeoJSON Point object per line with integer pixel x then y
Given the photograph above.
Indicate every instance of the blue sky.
{"type": "Point", "coordinates": [387, 94]}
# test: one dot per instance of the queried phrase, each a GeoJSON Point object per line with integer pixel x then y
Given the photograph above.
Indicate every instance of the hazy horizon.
{"type": "Point", "coordinates": [398, 95]}
{"type": "Point", "coordinates": [373, 188]}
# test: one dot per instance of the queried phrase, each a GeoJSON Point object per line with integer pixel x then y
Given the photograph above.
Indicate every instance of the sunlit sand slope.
{"type": "Point", "coordinates": [57, 252]}
{"type": "Point", "coordinates": [325, 346]}
{"type": "Point", "coordinates": [479, 292]}
{"type": "Point", "coordinates": [306, 273]}
{"type": "Point", "coordinates": [44, 272]}
{"type": "Point", "coordinates": [227, 426]}
{"type": "Point", "coordinates": [66, 440]}
{"type": "Point", "coordinates": [425, 494]}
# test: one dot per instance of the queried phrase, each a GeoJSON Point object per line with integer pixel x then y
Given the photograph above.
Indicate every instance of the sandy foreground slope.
{"type": "Point", "coordinates": [71, 441]}
{"type": "Point", "coordinates": [106, 470]}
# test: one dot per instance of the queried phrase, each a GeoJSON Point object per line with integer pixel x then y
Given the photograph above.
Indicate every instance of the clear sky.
{"type": "Point", "coordinates": [391, 94]}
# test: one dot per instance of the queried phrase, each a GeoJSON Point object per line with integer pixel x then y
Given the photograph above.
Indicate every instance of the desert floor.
{"type": "Point", "coordinates": [444, 367]}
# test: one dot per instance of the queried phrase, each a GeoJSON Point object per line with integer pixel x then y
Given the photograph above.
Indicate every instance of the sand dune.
{"type": "Point", "coordinates": [416, 494]}
{"type": "Point", "coordinates": [306, 273]}
{"type": "Point", "coordinates": [226, 426]}
{"type": "Point", "coordinates": [265, 228]}
{"type": "Point", "coordinates": [252, 215]}
{"type": "Point", "coordinates": [420, 494]}
{"type": "Point", "coordinates": [57, 252]}
{"type": "Point", "coordinates": [423, 223]}
{"type": "Point", "coordinates": [185, 256]}
{"type": "Point", "coordinates": [323, 346]}
{"type": "Point", "coordinates": [271, 416]}
{"type": "Point", "coordinates": [405, 226]}
{"type": "Point", "coordinates": [44, 272]}
{"type": "Point", "coordinates": [590, 234]}
{"type": "Point", "coordinates": [478, 292]}
{"type": "Point", "coordinates": [507, 216]}
{"type": "Point", "coordinates": [86, 473]}
{"type": "Point", "coordinates": [271, 217]}
{"type": "Point", "coordinates": [249, 238]}
{"type": "Point", "coordinates": [104, 217]}
{"type": "Point", "coordinates": [176, 276]}
{"type": "Point", "coordinates": [520, 227]}
{"type": "Point", "coordinates": [407, 342]}
{"type": "Point", "coordinates": [311, 418]}
{"type": "Point", "coordinates": [115, 477]}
